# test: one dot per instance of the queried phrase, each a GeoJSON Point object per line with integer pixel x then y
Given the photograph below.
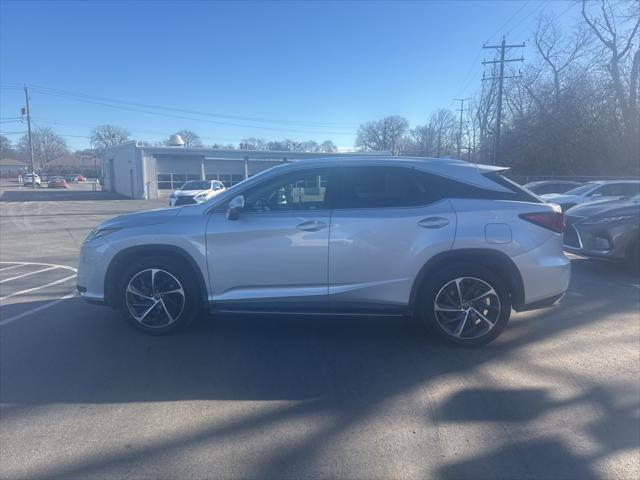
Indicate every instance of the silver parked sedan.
{"type": "Point", "coordinates": [454, 244]}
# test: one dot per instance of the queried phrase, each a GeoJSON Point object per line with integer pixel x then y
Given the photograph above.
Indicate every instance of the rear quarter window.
{"type": "Point", "coordinates": [451, 188]}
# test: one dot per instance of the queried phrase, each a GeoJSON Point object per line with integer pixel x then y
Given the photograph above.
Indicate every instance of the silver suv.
{"type": "Point", "coordinates": [453, 244]}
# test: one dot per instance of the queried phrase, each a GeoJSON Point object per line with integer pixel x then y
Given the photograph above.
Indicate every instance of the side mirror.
{"type": "Point", "coordinates": [235, 206]}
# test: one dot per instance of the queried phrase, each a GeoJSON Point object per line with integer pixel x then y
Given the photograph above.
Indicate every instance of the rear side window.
{"type": "Point", "coordinates": [450, 188]}
{"type": "Point", "coordinates": [384, 187]}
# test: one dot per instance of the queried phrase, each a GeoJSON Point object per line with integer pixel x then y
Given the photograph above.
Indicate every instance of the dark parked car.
{"type": "Point", "coordinates": [607, 229]}
{"type": "Point", "coordinates": [551, 186]}
{"type": "Point", "coordinates": [57, 182]}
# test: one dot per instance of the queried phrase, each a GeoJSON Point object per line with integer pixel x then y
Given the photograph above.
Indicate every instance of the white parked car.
{"type": "Point", "coordinates": [453, 244]}
{"type": "Point", "coordinates": [195, 191]}
{"type": "Point", "coordinates": [594, 191]}
{"type": "Point", "coordinates": [30, 179]}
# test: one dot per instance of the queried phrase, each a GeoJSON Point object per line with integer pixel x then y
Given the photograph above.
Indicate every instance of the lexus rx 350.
{"type": "Point", "coordinates": [453, 244]}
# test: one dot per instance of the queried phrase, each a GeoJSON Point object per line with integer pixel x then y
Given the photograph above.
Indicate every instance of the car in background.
{"type": "Point", "coordinates": [72, 178]}
{"type": "Point", "coordinates": [195, 191]}
{"type": "Point", "coordinates": [592, 191]}
{"type": "Point", "coordinates": [80, 179]}
{"type": "Point", "coordinates": [32, 179]}
{"type": "Point", "coordinates": [453, 244]}
{"type": "Point", "coordinates": [551, 186]}
{"type": "Point", "coordinates": [606, 230]}
{"type": "Point", "coordinates": [57, 182]}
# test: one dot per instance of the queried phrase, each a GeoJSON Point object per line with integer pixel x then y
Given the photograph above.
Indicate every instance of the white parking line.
{"type": "Point", "coordinates": [12, 266]}
{"type": "Point", "coordinates": [6, 321]}
{"type": "Point", "coordinates": [33, 289]}
{"type": "Point", "coordinates": [66, 267]}
{"type": "Point", "coordinates": [27, 274]}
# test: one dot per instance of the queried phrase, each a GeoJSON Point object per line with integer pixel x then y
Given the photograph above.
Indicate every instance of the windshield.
{"type": "Point", "coordinates": [581, 189]}
{"type": "Point", "coordinates": [196, 185]}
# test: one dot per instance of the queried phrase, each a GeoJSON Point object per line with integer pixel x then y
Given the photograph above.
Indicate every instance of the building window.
{"type": "Point", "coordinates": [173, 181]}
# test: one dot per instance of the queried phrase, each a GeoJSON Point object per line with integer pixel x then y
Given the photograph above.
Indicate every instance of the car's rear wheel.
{"type": "Point", "coordinates": [466, 305]}
{"type": "Point", "coordinates": [158, 295]}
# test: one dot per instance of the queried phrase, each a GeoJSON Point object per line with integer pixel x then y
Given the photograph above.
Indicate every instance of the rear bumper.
{"type": "Point", "coordinates": [545, 273]}
{"type": "Point", "coordinates": [544, 303]}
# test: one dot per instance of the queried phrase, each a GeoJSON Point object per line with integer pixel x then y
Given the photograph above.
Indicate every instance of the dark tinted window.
{"type": "Point", "coordinates": [381, 187]}
{"type": "Point", "coordinates": [618, 190]}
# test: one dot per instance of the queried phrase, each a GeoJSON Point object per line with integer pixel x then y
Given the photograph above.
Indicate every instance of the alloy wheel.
{"type": "Point", "coordinates": [467, 308]}
{"type": "Point", "coordinates": [155, 298]}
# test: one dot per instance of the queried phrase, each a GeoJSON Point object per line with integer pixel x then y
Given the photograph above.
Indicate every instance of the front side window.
{"type": "Point", "coordinates": [305, 190]}
{"type": "Point", "coordinates": [384, 187]}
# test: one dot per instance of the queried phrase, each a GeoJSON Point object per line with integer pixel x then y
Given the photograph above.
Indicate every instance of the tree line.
{"type": "Point", "coordinates": [49, 146]}
{"type": "Point", "coordinates": [572, 109]}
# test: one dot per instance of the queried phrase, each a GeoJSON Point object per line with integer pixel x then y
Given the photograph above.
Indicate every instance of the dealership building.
{"type": "Point", "coordinates": [143, 172]}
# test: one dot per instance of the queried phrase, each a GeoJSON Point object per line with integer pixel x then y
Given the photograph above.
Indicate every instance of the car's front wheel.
{"type": "Point", "coordinates": [466, 305]}
{"type": "Point", "coordinates": [158, 295]}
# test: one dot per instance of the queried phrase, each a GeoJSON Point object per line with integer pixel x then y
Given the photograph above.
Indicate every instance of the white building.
{"type": "Point", "coordinates": [141, 172]}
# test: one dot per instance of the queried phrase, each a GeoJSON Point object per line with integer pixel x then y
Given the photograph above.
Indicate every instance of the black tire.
{"type": "Point", "coordinates": [181, 313]}
{"type": "Point", "coordinates": [472, 334]}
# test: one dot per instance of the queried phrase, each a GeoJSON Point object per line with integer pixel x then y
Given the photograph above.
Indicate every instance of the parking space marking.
{"type": "Point", "coordinates": [7, 321]}
{"type": "Point", "coordinates": [33, 289]}
{"type": "Point", "coordinates": [12, 266]}
{"type": "Point", "coordinates": [19, 264]}
{"type": "Point", "coordinates": [27, 274]}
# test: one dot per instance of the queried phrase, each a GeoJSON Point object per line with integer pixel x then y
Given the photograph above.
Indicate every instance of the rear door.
{"type": "Point", "coordinates": [386, 223]}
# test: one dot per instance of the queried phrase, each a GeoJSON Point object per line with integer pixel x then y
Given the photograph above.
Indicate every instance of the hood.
{"type": "Point", "coordinates": [188, 193]}
{"type": "Point", "coordinates": [139, 219]}
{"type": "Point", "coordinates": [611, 208]}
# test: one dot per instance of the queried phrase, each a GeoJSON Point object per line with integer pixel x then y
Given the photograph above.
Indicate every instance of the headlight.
{"type": "Point", "coordinates": [97, 233]}
{"type": "Point", "coordinates": [594, 221]}
{"type": "Point", "coordinates": [201, 196]}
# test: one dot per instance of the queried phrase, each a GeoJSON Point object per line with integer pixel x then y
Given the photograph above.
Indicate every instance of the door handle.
{"type": "Point", "coordinates": [433, 222]}
{"type": "Point", "coordinates": [311, 226]}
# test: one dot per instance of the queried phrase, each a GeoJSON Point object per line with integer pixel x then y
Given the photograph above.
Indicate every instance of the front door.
{"type": "Point", "coordinates": [274, 256]}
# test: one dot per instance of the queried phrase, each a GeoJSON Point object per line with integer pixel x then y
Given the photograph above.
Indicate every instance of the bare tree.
{"type": "Point", "coordinates": [104, 136]}
{"type": "Point", "coordinates": [621, 43]}
{"type": "Point", "coordinates": [384, 134]}
{"type": "Point", "coordinates": [47, 146]}
{"type": "Point", "coordinates": [253, 143]}
{"type": "Point", "coordinates": [327, 147]}
{"type": "Point", "coordinates": [190, 138]}
{"type": "Point", "coordinates": [6, 147]}
{"type": "Point", "coordinates": [442, 124]}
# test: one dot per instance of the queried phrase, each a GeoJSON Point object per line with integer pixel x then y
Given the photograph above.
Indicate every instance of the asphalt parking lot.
{"type": "Point", "coordinates": [85, 396]}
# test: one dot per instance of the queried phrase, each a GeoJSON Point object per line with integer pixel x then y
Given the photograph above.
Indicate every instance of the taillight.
{"type": "Point", "coordinates": [554, 221]}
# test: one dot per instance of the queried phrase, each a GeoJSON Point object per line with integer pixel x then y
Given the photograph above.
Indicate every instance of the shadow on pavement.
{"type": "Point", "coordinates": [347, 367]}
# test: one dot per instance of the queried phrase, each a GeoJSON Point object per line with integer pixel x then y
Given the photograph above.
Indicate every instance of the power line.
{"type": "Point", "coordinates": [182, 117]}
{"type": "Point", "coordinates": [85, 96]}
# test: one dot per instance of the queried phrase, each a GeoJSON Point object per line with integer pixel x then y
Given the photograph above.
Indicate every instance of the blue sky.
{"type": "Point", "coordinates": [308, 70]}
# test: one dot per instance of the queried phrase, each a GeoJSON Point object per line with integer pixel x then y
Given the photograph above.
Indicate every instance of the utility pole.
{"type": "Point", "coordinates": [461, 100]}
{"type": "Point", "coordinates": [502, 47]}
{"type": "Point", "coordinates": [28, 112]}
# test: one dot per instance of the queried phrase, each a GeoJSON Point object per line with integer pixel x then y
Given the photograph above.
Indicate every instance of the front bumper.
{"type": "Point", "coordinates": [95, 257]}
{"type": "Point", "coordinates": [595, 240]}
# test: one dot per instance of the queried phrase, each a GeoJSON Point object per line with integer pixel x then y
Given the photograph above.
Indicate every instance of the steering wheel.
{"type": "Point", "coordinates": [261, 205]}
